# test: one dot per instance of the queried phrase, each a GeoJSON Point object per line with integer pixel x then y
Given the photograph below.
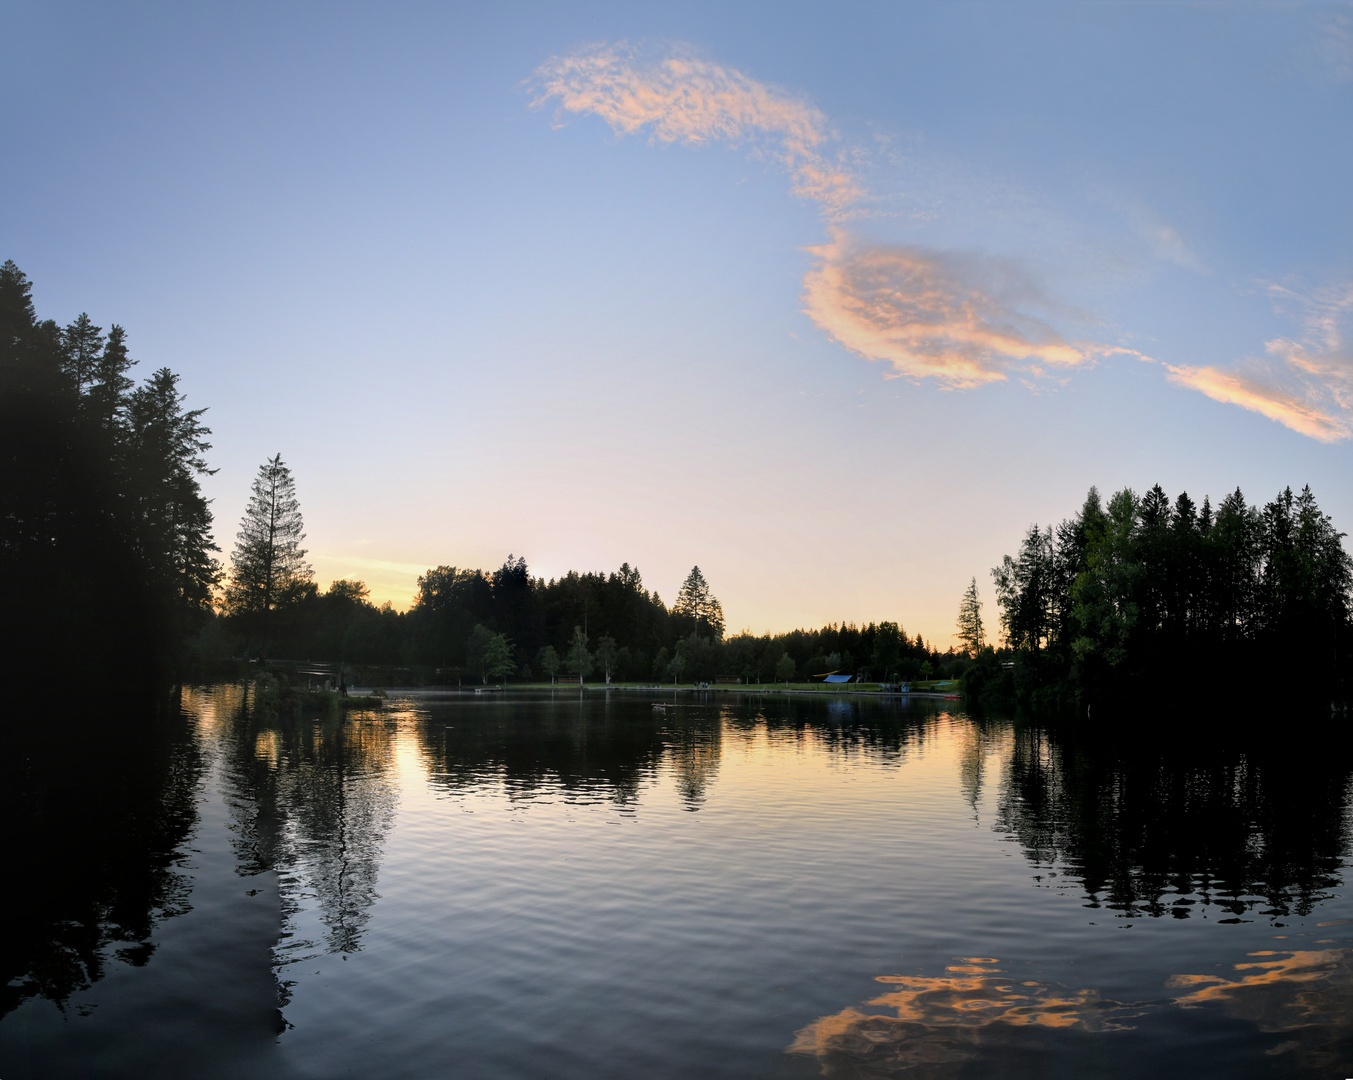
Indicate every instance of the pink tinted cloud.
{"type": "Point", "coordinates": [1262, 396]}
{"type": "Point", "coordinates": [683, 99]}
{"type": "Point", "coordinates": [964, 321]}
{"type": "Point", "coordinates": [1306, 385]}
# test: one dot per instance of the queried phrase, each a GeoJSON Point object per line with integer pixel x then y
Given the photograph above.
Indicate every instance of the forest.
{"type": "Point", "coordinates": [106, 547]}
{"type": "Point", "coordinates": [506, 625]}
{"type": "Point", "coordinates": [1143, 597]}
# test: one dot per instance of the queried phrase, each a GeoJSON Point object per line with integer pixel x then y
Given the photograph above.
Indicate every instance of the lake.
{"type": "Point", "coordinates": [623, 884]}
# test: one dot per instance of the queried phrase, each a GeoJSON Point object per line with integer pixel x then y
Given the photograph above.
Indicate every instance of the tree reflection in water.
{"type": "Point", "coordinates": [1257, 831]}
{"type": "Point", "coordinates": [566, 742]}
{"type": "Point", "coordinates": [313, 797]}
{"type": "Point", "coordinates": [98, 825]}
{"type": "Point", "coordinates": [593, 748]}
{"type": "Point", "coordinates": [95, 805]}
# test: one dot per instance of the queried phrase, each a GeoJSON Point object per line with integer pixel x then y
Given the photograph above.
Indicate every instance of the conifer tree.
{"type": "Point", "coordinates": [268, 565]}
{"type": "Point", "coordinates": [81, 347]}
{"type": "Point", "coordinates": [108, 394]}
{"type": "Point", "coordinates": [970, 630]}
{"type": "Point", "coordinates": [166, 452]}
{"type": "Point", "coordinates": [106, 538]}
{"type": "Point", "coordinates": [695, 601]}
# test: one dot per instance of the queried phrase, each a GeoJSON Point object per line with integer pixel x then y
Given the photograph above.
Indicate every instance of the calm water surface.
{"type": "Point", "coordinates": [576, 885]}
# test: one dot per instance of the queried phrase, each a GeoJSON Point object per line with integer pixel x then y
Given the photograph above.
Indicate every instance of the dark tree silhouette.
{"type": "Point", "coordinates": [105, 541]}
{"type": "Point", "coordinates": [268, 568]}
{"type": "Point", "coordinates": [970, 629]}
{"type": "Point", "coordinates": [697, 604]}
{"type": "Point", "coordinates": [1143, 596]}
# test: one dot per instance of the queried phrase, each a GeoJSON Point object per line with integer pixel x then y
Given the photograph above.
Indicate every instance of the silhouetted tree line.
{"type": "Point", "coordinates": [1143, 596]}
{"type": "Point", "coordinates": [507, 624]}
{"type": "Point", "coordinates": [105, 547]}
{"type": "Point", "coordinates": [110, 569]}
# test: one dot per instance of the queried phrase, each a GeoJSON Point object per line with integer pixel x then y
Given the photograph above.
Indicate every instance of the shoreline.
{"type": "Point", "coordinates": [417, 691]}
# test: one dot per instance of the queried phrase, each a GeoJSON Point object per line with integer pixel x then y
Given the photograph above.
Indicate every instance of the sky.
{"type": "Point", "coordinates": [833, 301]}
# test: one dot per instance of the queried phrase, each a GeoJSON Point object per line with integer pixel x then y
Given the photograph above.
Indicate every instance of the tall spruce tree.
{"type": "Point", "coordinates": [697, 603]}
{"type": "Point", "coordinates": [268, 567]}
{"type": "Point", "coordinates": [167, 448]}
{"type": "Point", "coordinates": [970, 630]}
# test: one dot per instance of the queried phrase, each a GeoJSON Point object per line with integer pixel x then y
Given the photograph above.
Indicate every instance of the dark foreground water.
{"type": "Point", "coordinates": [584, 886]}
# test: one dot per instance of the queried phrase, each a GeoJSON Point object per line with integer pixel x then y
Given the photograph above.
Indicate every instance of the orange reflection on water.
{"type": "Point", "coordinates": [1296, 988]}
{"type": "Point", "coordinates": [1305, 992]}
{"type": "Point", "coordinates": [972, 1011]}
{"type": "Point", "coordinates": [949, 1018]}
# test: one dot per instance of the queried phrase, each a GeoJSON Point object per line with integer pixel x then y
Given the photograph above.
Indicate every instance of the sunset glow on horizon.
{"type": "Point", "coordinates": [833, 305]}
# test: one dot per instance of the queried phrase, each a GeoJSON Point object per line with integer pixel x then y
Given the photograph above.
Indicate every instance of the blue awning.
{"type": "Point", "coordinates": [838, 678]}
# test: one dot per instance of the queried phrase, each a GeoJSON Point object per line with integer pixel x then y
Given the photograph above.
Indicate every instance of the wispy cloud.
{"type": "Point", "coordinates": [1306, 384]}
{"type": "Point", "coordinates": [963, 320]}
{"type": "Point", "coordinates": [1260, 394]}
{"type": "Point", "coordinates": [1161, 239]}
{"type": "Point", "coordinates": [681, 98]}
{"type": "Point", "coordinates": [1338, 46]}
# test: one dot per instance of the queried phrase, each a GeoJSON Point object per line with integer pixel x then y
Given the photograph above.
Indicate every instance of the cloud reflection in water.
{"type": "Point", "coordinates": [1305, 992]}
{"type": "Point", "coordinates": [976, 1012]}
{"type": "Point", "coordinates": [972, 1011]}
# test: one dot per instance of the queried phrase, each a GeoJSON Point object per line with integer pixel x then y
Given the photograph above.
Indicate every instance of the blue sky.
{"type": "Point", "coordinates": [832, 301]}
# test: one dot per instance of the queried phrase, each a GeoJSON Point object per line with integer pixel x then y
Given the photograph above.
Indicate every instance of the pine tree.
{"type": "Point", "coordinates": [174, 519]}
{"type": "Point", "coordinates": [106, 539]}
{"type": "Point", "coordinates": [108, 399]}
{"type": "Point", "coordinates": [970, 630]}
{"type": "Point", "coordinates": [696, 602]}
{"type": "Point", "coordinates": [268, 565]}
{"type": "Point", "coordinates": [81, 348]}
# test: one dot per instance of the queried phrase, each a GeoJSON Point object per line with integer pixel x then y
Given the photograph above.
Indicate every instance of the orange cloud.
{"type": "Point", "coordinates": [964, 321]}
{"type": "Point", "coordinates": [687, 100]}
{"type": "Point", "coordinates": [1263, 397]}
{"type": "Point", "coordinates": [1305, 385]}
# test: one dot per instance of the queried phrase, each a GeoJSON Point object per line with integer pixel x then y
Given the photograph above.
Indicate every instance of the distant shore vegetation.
{"type": "Point", "coordinates": [474, 626]}
{"type": "Point", "coordinates": [470, 625]}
